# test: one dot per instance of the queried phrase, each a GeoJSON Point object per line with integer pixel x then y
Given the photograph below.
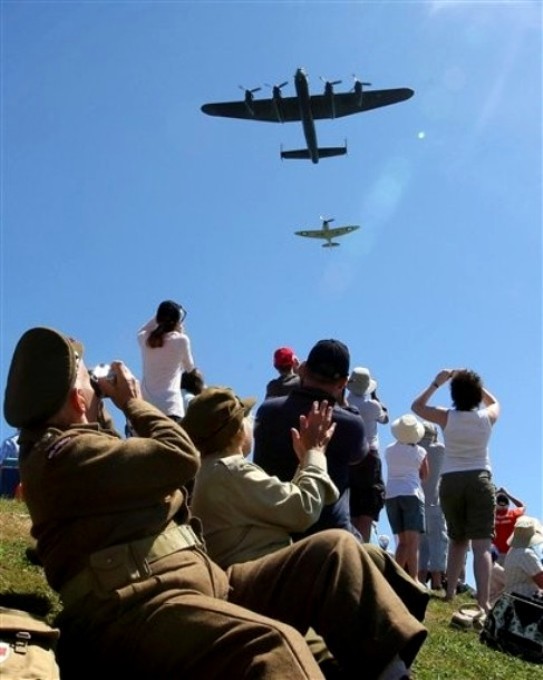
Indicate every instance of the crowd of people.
{"type": "Point", "coordinates": [212, 542]}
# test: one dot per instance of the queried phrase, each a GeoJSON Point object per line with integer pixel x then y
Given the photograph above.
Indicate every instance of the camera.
{"type": "Point", "coordinates": [101, 371]}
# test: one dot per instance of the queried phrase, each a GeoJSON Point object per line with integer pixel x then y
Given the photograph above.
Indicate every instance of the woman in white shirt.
{"type": "Point", "coordinates": [467, 493]}
{"type": "Point", "coordinates": [406, 468]}
{"type": "Point", "coordinates": [166, 353]}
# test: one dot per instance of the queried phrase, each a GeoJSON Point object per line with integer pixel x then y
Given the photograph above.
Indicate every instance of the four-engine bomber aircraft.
{"type": "Point", "coordinates": [308, 108]}
{"type": "Point", "coordinates": [328, 234]}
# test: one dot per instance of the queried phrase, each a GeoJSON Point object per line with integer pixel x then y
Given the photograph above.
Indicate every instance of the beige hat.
{"type": "Point", "coordinates": [528, 531]}
{"type": "Point", "coordinates": [42, 371]}
{"type": "Point", "coordinates": [408, 429]}
{"type": "Point", "coordinates": [360, 382]}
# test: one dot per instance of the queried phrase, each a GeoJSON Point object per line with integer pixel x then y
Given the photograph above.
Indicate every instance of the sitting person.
{"type": "Point", "coordinates": [246, 513]}
{"type": "Point", "coordinates": [118, 543]}
{"type": "Point", "coordinates": [286, 364]}
{"type": "Point", "coordinates": [522, 565]}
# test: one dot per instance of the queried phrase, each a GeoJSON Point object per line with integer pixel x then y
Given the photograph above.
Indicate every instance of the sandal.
{"type": "Point", "coordinates": [468, 617]}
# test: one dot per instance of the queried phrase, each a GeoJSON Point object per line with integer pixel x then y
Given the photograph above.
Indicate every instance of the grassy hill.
{"type": "Point", "coordinates": [448, 654]}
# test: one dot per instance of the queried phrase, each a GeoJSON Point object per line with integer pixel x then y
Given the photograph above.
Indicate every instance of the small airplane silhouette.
{"type": "Point", "coordinates": [328, 234]}
{"type": "Point", "coordinates": [307, 108]}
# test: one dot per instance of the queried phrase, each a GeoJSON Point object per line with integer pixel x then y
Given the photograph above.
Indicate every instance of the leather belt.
{"type": "Point", "coordinates": [125, 563]}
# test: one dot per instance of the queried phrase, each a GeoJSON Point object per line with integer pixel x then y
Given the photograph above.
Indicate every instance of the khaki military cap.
{"type": "Point", "coordinates": [42, 371]}
{"type": "Point", "coordinates": [214, 416]}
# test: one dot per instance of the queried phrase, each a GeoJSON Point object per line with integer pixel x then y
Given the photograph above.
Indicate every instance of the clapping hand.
{"type": "Point", "coordinates": [316, 430]}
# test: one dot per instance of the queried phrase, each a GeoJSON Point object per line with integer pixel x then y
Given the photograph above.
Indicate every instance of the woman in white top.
{"type": "Point", "coordinates": [523, 567]}
{"type": "Point", "coordinates": [467, 493]}
{"type": "Point", "coordinates": [166, 353]}
{"type": "Point", "coordinates": [406, 467]}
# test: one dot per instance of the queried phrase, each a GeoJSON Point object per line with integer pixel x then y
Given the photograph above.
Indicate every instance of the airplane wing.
{"type": "Point", "coordinates": [313, 233]}
{"type": "Point", "coordinates": [347, 103]}
{"type": "Point", "coordinates": [341, 231]}
{"type": "Point", "coordinates": [258, 109]}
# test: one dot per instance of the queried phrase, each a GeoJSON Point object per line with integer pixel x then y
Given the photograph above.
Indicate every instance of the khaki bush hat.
{"type": "Point", "coordinates": [42, 371]}
{"type": "Point", "coordinates": [214, 416]}
{"type": "Point", "coordinates": [528, 531]}
{"type": "Point", "coordinates": [408, 429]}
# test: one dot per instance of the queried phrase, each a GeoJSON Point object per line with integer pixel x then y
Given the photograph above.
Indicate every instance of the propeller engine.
{"type": "Point", "coordinates": [329, 85]}
{"type": "Point", "coordinates": [276, 89]}
{"type": "Point", "coordinates": [359, 85]}
{"type": "Point", "coordinates": [249, 93]}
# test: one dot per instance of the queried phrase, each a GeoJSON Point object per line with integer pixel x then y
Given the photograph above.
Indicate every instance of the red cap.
{"type": "Point", "coordinates": [284, 357]}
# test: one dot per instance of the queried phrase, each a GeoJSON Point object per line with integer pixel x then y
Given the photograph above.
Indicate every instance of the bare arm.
{"type": "Point", "coordinates": [435, 414]}
{"type": "Point", "coordinates": [538, 580]}
{"type": "Point", "coordinates": [424, 470]}
{"type": "Point", "coordinates": [514, 500]}
{"type": "Point", "coordinates": [492, 407]}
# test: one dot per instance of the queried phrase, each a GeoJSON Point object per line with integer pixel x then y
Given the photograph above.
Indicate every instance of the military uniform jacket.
{"type": "Point", "coordinates": [87, 488]}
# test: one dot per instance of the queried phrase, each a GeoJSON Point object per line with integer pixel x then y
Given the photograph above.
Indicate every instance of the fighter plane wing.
{"type": "Point", "coordinates": [314, 233]}
{"type": "Point", "coordinates": [330, 233]}
{"type": "Point", "coordinates": [341, 231]}
{"type": "Point", "coordinates": [348, 103]}
{"type": "Point", "coordinates": [258, 109]}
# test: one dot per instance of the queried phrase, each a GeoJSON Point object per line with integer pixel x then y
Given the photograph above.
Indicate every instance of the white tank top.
{"type": "Point", "coordinates": [466, 437]}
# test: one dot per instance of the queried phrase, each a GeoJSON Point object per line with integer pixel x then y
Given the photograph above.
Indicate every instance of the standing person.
{"type": "Point", "coordinates": [286, 363]}
{"type": "Point", "coordinates": [467, 493]}
{"type": "Point", "coordinates": [369, 499]}
{"type": "Point", "coordinates": [504, 520]}
{"type": "Point", "coordinates": [118, 543]}
{"type": "Point", "coordinates": [434, 542]}
{"type": "Point", "coordinates": [406, 466]}
{"type": "Point", "coordinates": [323, 376]}
{"type": "Point", "coordinates": [166, 353]}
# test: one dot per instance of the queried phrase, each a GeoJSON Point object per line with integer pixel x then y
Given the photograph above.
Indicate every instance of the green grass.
{"type": "Point", "coordinates": [448, 653]}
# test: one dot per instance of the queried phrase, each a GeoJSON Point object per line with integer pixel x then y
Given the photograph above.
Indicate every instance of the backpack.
{"type": "Point", "coordinates": [27, 647]}
{"type": "Point", "coordinates": [514, 625]}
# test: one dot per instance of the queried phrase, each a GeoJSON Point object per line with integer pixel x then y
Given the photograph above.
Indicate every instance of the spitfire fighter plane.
{"type": "Point", "coordinates": [308, 108]}
{"type": "Point", "coordinates": [325, 232]}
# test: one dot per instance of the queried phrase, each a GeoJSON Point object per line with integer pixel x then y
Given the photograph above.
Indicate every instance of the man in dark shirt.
{"type": "Point", "coordinates": [286, 364]}
{"type": "Point", "coordinates": [323, 376]}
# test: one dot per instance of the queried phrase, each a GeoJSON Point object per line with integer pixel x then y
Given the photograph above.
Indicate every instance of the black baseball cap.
{"type": "Point", "coordinates": [329, 359]}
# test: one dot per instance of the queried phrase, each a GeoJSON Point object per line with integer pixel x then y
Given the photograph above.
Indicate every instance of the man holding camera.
{"type": "Point", "coordinates": [117, 541]}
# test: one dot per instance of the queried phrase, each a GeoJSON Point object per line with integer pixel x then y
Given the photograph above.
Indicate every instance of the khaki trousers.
{"type": "Point", "coordinates": [193, 620]}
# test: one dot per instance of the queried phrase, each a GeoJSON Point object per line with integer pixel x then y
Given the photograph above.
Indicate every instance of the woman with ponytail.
{"type": "Point", "coordinates": [166, 353]}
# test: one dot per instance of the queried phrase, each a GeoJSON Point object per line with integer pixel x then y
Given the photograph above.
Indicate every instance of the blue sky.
{"type": "Point", "coordinates": [118, 192]}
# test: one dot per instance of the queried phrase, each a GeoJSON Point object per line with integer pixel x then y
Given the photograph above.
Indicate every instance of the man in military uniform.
{"type": "Point", "coordinates": [118, 543]}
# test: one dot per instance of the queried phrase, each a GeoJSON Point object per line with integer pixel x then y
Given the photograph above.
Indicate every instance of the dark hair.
{"type": "Point", "coordinates": [168, 315]}
{"type": "Point", "coordinates": [466, 390]}
{"type": "Point", "coordinates": [192, 381]}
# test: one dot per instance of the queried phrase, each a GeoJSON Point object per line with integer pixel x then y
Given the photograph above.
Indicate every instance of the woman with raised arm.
{"type": "Point", "coordinates": [467, 493]}
{"type": "Point", "coordinates": [166, 353]}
